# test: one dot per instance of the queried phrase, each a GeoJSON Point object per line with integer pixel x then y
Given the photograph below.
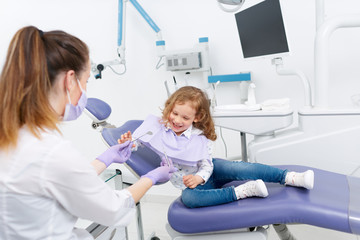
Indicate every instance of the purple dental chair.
{"type": "Point", "coordinates": [334, 203]}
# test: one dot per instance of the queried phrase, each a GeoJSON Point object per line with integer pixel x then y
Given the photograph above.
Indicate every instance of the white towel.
{"type": "Point", "coordinates": [275, 104]}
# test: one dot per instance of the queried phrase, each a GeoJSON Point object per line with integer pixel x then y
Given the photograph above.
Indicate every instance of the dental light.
{"type": "Point", "coordinates": [237, 3]}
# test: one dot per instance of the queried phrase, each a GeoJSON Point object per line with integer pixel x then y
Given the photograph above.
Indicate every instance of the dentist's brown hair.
{"type": "Point", "coordinates": [34, 60]}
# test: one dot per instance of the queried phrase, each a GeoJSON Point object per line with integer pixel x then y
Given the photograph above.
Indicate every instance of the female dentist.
{"type": "Point", "coordinates": [45, 183]}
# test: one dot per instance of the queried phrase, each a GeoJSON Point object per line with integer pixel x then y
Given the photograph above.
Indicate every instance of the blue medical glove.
{"type": "Point", "coordinates": [118, 153]}
{"type": "Point", "coordinates": [161, 174]}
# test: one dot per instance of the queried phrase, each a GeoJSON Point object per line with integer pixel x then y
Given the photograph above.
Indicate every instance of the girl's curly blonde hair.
{"type": "Point", "coordinates": [200, 102]}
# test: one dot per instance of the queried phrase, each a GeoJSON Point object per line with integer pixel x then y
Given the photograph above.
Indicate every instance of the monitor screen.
{"type": "Point", "coordinates": [261, 30]}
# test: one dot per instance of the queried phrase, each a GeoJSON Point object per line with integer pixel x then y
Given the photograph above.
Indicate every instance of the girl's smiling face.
{"type": "Point", "coordinates": [182, 117]}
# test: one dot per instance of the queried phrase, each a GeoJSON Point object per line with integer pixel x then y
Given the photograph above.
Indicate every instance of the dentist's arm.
{"type": "Point", "coordinates": [161, 174]}
{"type": "Point", "coordinates": [99, 166]}
{"type": "Point", "coordinates": [138, 189]}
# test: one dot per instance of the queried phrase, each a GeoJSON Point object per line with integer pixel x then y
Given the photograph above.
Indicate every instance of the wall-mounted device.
{"type": "Point", "coordinates": [184, 61]}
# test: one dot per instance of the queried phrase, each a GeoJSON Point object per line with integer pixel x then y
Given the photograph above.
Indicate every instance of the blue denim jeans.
{"type": "Point", "coordinates": [212, 193]}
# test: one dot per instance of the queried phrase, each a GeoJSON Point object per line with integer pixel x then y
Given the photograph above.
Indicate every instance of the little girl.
{"type": "Point", "coordinates": [185, 136]}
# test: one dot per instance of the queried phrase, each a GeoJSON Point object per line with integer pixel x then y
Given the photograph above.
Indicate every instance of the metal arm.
{"type": "Point", "coordinates": [121, 25]}
{"type": "Point", "coordinates": [97, 68]}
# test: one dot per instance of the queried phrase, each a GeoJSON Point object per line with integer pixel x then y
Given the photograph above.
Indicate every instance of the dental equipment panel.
{"type": "Point", "coordinates": [195, 59]}
{"type": "Point", "coordinates": [185, 61]}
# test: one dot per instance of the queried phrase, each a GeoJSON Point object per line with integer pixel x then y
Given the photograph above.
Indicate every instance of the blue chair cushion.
{"type": "Point", "coordinates": [141, 161]}
{"type": "Point", "coordinates": [98, 108]}
{"type": "Point", "coordinates": [327, 206]}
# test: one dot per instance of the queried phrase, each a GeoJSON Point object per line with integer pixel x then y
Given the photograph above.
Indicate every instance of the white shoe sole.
{"type": "Point", "coordinates": [262, 187]}
{"type": "Point", "coordinates": [309, 179]}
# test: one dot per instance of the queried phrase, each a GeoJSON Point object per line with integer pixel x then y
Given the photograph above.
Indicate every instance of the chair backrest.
{"type": "Point", "coordinates": [97, 110]}
{"type": "Point", "coordinates": [141, 161]}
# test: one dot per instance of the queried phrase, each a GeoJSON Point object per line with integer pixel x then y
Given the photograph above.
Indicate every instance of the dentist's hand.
{"type": "Point", "coordinates": [161, 174]}
{"type": "Point", "coordinates": [118, 153]}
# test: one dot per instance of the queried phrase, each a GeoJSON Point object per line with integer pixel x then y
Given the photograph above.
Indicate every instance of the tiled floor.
{"type": "Point", "coordinates": [155, 218]}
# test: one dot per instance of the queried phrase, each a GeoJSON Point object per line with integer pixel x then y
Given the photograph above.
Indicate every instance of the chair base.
{"type": "Point", "coordinates": [259, 233]}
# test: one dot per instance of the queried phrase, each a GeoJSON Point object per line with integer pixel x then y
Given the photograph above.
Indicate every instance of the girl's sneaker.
{"type": "Point", "coordinates": [251, 189]}
{"type": "Point", "coordinates": [304, 179]}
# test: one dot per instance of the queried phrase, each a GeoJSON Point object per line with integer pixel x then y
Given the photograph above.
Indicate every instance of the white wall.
{"type": "Point", "coordinates": [141, 90]}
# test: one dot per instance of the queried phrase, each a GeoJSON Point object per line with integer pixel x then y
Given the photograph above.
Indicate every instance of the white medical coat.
{"type": "Point", "coordinates": [46, 185]}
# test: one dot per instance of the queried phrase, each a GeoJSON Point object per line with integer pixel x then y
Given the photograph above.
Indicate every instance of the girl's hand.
{"type": "Point", "coordinates": [125, 137]}
{"type": "Point", "coordinates": [192, 181]}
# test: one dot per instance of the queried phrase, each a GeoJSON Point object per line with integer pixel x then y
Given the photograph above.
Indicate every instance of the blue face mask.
{"type": "Point", "coordinates": [73, 112]}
